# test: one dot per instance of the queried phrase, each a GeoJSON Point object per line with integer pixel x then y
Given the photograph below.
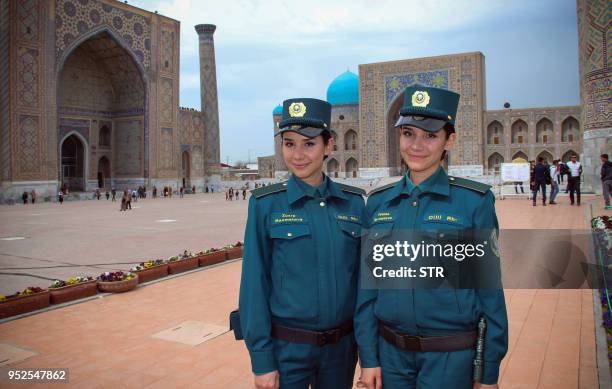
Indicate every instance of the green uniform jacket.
{"type": "Point", "coordinates": [444, 203]}
{"type": "Point", "coordinates": [301, 261]}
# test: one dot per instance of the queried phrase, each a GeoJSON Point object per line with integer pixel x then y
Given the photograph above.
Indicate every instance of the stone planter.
{"type": "Point", "coordinates": [234, 252]}
{"type": "Point", "coordinates": [183, 265]}
{"type": "Point", "coordinates": [23, 304]}
{"type": "Point", "coordinates": [73, 292]}
{"type": "Point", "coordinates": [118, 286]}
{"type": "Point", "coordinates": [152, 273]}
{"type": "Point", "coordinates": [212, 258]}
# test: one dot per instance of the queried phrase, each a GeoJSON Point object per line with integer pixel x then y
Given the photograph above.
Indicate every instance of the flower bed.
{"type": "Point", "coordinates": [602, 227]}
{"type": "Point", "coordinates": [150, 270]}
{"type": "Point", "coordinates": [234, 251]}
{"type": "Point", "coordinates": [29, 300]}
{"type": "Point", "coordinates": [182, 263]}
{"type": "Point", "coordinates": [72, 289]}
{"type": "Point", "coordinates": [211, 256]}
{"type": "Point", "coordinates": [117, 282]}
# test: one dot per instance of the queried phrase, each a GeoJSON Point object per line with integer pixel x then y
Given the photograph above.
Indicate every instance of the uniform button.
{"type": "Point", "coordinates": [451, 178]}
{"type": "Point", "coordinates": [414, 203]}
{"type": "Point", "coordinates": [322, 203]}
{"type": "Point", "coordinates": [353, 232]}
{"type": "Point", "coordinates": [441, 235]}
{"type": "Point", "coordinates": [289, 234]}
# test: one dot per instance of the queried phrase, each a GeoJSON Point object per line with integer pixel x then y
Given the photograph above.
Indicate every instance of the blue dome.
{"type": "Point", "coordinates": [344, 89]}
{"type": "Point", "coordinates": [278, 110]}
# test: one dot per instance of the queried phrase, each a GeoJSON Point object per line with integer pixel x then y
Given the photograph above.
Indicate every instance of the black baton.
{"type": "Point", "coordinates": [479, 358]}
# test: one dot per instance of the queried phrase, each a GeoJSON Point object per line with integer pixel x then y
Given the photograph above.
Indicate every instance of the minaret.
{"type": "Point", "coordinates": [209, 101]}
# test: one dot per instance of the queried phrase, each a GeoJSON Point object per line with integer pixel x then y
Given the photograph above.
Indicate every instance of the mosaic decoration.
{"type": "Point", "coordinates": [128, 147]}
{"type": "Point", "coordinates": [594, 22]}
{"type": "Point", "coordinates": [76, 18]}
{"type": "Point", "coordinates": [166, 147]}
{"type": "Point", "coordinates": [27, 16]}
{"type": "Point", "coordinates": [29, 144]}
{"type": "Point", "coordinates": [80, 126]}
{"type": "Point", "coordinates": [27, 85]}
{"type": "Point", "coordinates": [395, 84]}
{"type": "Point", "coordinates": [166, 98]}
{"type": "Point", "coordinates": [167, 43]}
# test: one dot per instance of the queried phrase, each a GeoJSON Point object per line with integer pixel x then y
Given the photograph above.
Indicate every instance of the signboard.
{"type": "Point", "coordinates": [466, 170]}
{"type": "Point", "coordinates": [511, 172]}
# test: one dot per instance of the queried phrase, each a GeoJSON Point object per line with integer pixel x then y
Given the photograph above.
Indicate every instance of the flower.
{"type": "Point", "coordinates": [116, 276]}
{"type": "Point", "coordinates": [71, 281]}
{"type": "Point", "coordinates": [148, 264]}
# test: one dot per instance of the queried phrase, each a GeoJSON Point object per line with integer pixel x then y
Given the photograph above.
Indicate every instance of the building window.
{"type": "Point", "coordinates": [496, 140]}
{"type": "Point", "coordinates": [544, 138]}
{"type": "Point", "coordinates": [570, 138]}
{"type": "Point", "coordinates": [520, 139]}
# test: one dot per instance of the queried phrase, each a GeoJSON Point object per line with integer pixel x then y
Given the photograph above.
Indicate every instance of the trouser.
{"type": "Point", "coordinates": [554, 190]}
{"type": "Point", "coordinates": [573, 184]}
{"type": "Point", "coordinates": [329, 367]}
{"type": "Point", "coordinates": [517, 185]}
{"type": "Point", "coordinates": [425, 370]}
{"type": "Point", "coordinates": [538, 186]}
{"type": "Point", "coordinates": [607, 190]}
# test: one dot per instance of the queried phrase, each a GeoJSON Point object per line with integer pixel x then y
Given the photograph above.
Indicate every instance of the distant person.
{"type": "Point", "coordinates": [206, 188]}
{"type": "Point", "coordinates": [532, 184]}
{"type": "Point", "coordinates": [114, 194]}
{"type": "Point", "coordinates": [123, 201]}
{"type": "Point", "coordinates": [33, 196]}
{"type": "Point", "coordinates": [181, 191]}
{"type": "Point", "coordinates": [24, 197]}
{"type": "Point", "coordinates": [517, 184]}
{"type": "Point", "coordinates": [573, 181]}
{"type": "Point", "coordinates": [60, 197]}
{"type": "Point", "coordinates": [244, 194]}
{"type": "Point", "coordinates": [193, 190]}
{"type": "Point", "coordinates": [606, 179]}
{"type": "Point", "coordinates": [154, 192]}
{"type": "Point", "coordinates": [554, 181]}
{"type": "Point", "coordinates": [134, 196]}
{"type": "Point", "coordinates": [107, 194]}
{"type": "Point", "coordinates": [128, 199]}
{"type": "Point", "coordinates": [540, 173]}
{"type": "Point", "coordinates": [98, 194]}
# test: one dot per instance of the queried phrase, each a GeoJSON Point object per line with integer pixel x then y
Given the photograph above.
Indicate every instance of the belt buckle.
{"type": "Point", "coordinates": [410, 342]}
{"type": "Point", "coordinates": [328, 337]}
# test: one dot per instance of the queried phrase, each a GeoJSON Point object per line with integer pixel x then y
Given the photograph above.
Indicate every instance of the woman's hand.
{"type": "Point", "coordinates": [267, 381]}
{"type": "Point", "coordinates": [371, 378]}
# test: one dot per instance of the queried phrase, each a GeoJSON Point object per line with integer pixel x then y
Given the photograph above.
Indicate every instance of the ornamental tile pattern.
{"type": "Point", "coordinates": [29, 145]}
{"type": "Point", "coordinates": [27, 85]}
{"type": "Point", "coordinates": [28, 16]}
{"type": "Point", "coordinates": [76, 18]}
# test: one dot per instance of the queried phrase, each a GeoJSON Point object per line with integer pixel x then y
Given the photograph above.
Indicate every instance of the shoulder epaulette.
{"type": "Point", "coordinates": [266, 190]}
{"type": "Point", "coordinates": [382, 188]}
{"type": "Point", "coordinates": [469, 184]}
{"type": "Point", "coordinates": [351, 189]}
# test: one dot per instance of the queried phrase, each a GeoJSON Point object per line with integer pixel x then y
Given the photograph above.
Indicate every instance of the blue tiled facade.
{"type": "Point", "coordinates": [395, 84]}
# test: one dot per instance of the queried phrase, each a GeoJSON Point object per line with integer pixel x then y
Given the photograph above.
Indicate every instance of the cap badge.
{"type": "Point", "coordinates": [420, 99]}
{"type": "Point", "coordinates": [297, 110]}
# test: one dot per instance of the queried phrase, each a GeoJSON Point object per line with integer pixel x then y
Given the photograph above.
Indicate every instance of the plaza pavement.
{"type": "Point", "coordinates": [107, 341]}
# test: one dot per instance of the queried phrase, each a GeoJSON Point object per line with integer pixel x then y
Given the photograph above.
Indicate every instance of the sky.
{"type": "Point", "coordinates": [272, 50]}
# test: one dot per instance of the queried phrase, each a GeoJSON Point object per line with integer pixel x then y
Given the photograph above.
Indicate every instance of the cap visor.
{"type": "Point", "coordinates": [308, 132]}
{"type": "Point", "coordinates": [424, 123]}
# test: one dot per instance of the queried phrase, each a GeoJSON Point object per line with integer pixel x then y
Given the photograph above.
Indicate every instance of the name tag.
{"type": "Point", "coordinates": [348, 218]}
{"type": "Point", "coordinates": [442, 218]}
{"type": "Point", "coordinates": [382, 217]}
{"type": "Point", "coordinates": [288, 218]}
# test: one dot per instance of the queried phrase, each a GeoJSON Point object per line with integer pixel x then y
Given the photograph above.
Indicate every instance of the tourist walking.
{"type": "Point", "coordinates": [573, 181]}
{"type": "Point", "coordinates": [33, 196]}
{"type": "Point", "coordinates": [554, 181]}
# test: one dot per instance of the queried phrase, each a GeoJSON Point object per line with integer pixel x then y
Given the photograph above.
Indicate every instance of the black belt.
{"type": "Point", "coordinates": [318, 338]}
{"type": "Point", "coordinates": [446, 343]}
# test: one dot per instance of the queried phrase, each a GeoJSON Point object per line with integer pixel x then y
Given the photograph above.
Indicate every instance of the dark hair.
{"type": "Point", "coordinates": [448, 130]}
{"type": "Point", "coordinates": [605, 156]}
{"type": "Point", "coordinates": [540, 159]}
{"type": "Point", "coordinates": [326, 135]}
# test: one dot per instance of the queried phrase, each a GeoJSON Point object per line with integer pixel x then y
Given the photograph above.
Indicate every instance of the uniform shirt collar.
{"type": "Point", "coordinates": [297, 189]}
{"type": "Point", "coordinates": [437, 183]}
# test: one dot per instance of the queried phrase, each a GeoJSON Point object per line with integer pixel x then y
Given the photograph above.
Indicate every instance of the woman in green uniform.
{"type": "Point", "coordinates": [425, 337]}
{"type": "Point", "coordinates": [301, 260]}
